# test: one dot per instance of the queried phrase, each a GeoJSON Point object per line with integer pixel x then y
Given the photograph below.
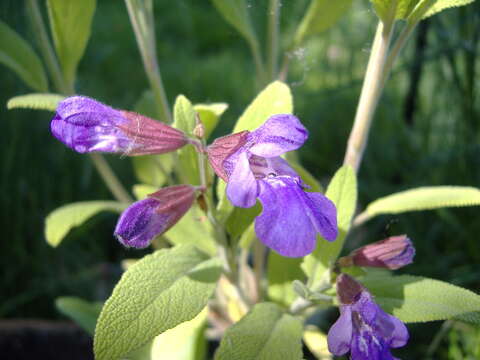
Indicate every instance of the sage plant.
{"type": "Point", "coordinates": [232, 212]}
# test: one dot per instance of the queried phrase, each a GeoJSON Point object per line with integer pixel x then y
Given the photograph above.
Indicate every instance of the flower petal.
{"type": "Point", "coordinates": [282, 225]}
{"type": "Point", "coordinates": [340, 334]}
{"type": "Point", "coordinates": [242, 186]}
{"type": "Point", "coordinates": [140, 223]}
{"type": "Point", "coordinates": [85, 111]}
{"type": "Point", "coordinates": [323, 214]}
{"type": "Point", "coordinates": [399, 337]}
{"type": "Point", "coordinates": [279, 134]}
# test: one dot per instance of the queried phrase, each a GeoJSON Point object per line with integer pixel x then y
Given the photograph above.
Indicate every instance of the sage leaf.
{"type": "Point", "coordinates": [83, 312]}
{"type": "Point", "coordinates": [70, 22]}
{"type": "Point", "coordinates": [265, 333]}
{"type": "Point", "coordinates": [155, 294]}
{"type": "Point", "coordinates": [60, 221]}
{"type": "Point", "coordinates": [18, 55]}
{"type": "Point", "coordinates": [37, 101]}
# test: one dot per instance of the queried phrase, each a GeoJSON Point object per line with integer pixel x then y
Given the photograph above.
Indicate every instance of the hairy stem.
{"type": "Point", "coordinates": [141, 17]}
{"type": "Point", "coordinates": [46, 47]}
{"type": "Point", "coordinates": [272, 42]}
{"type": "Point", "coordinates": [110, 178]}
{"type": "Point", "coordinates": [371, 91]}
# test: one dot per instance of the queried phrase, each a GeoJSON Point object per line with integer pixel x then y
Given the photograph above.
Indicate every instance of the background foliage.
{"type": "Point", "coordinates": [426, 132]}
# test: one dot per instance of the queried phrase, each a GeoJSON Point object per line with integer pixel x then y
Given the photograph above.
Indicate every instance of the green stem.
{"type": "Point", "coordinates": [370, 94]}
{"type": "Point", "coordinates": [141, 17]}
{"type": "Point", "coordinates": [106, 173]}
{"type": "Point", "coordinates": [46, 48]}
{"type": "Point", "coordinates": [273, 34]}
{"type": "Point", "coordinates": [110, 178]}
{"type": "Point", "coordinates": [258, 267]}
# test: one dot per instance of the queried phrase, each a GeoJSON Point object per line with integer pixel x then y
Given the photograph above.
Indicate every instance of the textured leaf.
{"type": "Point", "coordinates": [441, 5]}
{"type": "Point", "coordinates": [342, 190]}
{"type": "Point", "coordinates": [423, 198]}
{"type": "Point", "coordinates": [194, 228]}
{"type": "Point", "coordinates": [153, 169]}
{"type": "Point", "coordinates": [157, 293]}
{"type": "Point", "coordinates": [70, 22]}
{"type": "Point", "coordinates": [209, 115]}
{"type": "Point", "coordinates": [282, 271]}
{"type": "Point", "coordinates": [241, 218]}
{"type": "Point", "coordinates": [419, 299]}
{"type": "Point", "coordinates": [84, 313]}
{"type": "Point", "coordinates": [276, 98]}
{"type": "Point", "coordinates": [35, 101]}
{"type": "Point", "coordinates": [18, 55]}
{"type": "Point", "coordinates": [235, 12]}
{"type": "Point", "coordinates": [183, 342]}
{"type": "Point", "coordinates": [60, 221]}
{"type": "Point", "coordinates": [320, 16]}
{"type": "Point", "coordinates": [264, 333]}
{"type": "Point", "coordinates": [184, 119]}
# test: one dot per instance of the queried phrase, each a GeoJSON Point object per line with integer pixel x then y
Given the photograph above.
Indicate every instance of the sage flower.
{"type": "Point", "coordinates": [363, 328]}
{"type": "Point", "coordinates": [251, 165]}
{"type": "Point", "coordinates": [86, 125]}
{"type": "Point", "coordinates": [142, 221]}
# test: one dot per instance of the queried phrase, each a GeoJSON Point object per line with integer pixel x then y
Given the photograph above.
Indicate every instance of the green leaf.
{"type": "Point", "coordinates": [264, 333]}
{"type": "Point", "coordinates": [422, 198]}
{"type": "Point", "coordinates": [153, 169]}
{"type": "Point", "coordinates": [146, 105]}
{"type": "Point", "coordinates": [36, 101]}
{"type": "Point", "coordinates": [194, 228]}
{"type": "Point", "coordinates": [403, 10]}
{"type": "Point", "coordinates": [342, 190]}
{"type": "Point", "coordinates": [184, 342]}
{"type": "Point", "coordinates": [276, 98]}
{"type": "Point", "coordinates": [316, 342]}
{"type": "Point", "coordinates": [320, 16]}
{"type": "Point", "coordinates": [184, 119]}
{"type": "Point", "coordinates": [157, 293]}
{"type": "Point", "coordinates": [247, 237]}
{"type": "Point", "coordinates": [209, 115]}
{"type": "Point", "coordinates": [84, 313]}
{"type": "Point", "coordinates": [419, 299]}
{"type": "Point", "coordinates": [60, 221]}
{"type": "Point", "coordinates": [18, 55]}
{"type": "Point", "coordinates": [235, 12]}
{"type": "Point", "coordinates": [282, 271]}
{"type": "Point", "coordinates": [441, 5]}
{"type": "Point", "coordinates": [224, 206]}
{"type": "Point", "coordinates": [70, 22]}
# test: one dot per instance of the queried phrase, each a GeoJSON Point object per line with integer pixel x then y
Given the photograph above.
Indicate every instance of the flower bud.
{"type": "Point", "coordinates": [222, 148]}
{"type": "Point", "coordinates": [348, 289]}
{"type": "Point", "coordinates": [86, 125]}
{"type": "Point", "coordinates": [142, 221]}
{"type": "Point", "coordinates": [391, 253]}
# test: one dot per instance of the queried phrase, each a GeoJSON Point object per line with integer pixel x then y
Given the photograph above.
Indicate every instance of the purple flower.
{"type": "Point", "coordinates": [250, 162]}
{"type": "Point", "coordinates": [142, 221]}
{"type": "Point", "coordinates": [391, 253]}
{"type": "Point", "coordinates": [86, 125]}
{"type": "Point", "coordinates": [363, 328]}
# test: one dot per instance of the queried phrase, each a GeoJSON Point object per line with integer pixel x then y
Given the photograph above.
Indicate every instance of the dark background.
{"type": "Point", "coordinates": [426, 132]}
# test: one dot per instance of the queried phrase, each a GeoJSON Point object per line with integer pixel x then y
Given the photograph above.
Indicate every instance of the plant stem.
{"type": "Point", "coordinates": [46, 48]}
{"type": "Point", "coordinates": [106, 173]}
{"type": "Point", "coordinates": [110, 178]}
{"type": "Point", "coordinates": [141, 17]}
{"type": "Point", "coordinates": [273, 34]}
{"type": "Point", "coordinates": [258, 266]}
{"type": "Point", "coordinates": [371, 91]}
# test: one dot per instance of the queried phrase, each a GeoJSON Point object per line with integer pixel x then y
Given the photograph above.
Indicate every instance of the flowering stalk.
{"type": "Point", "coordinates": [99, 162]}
{"type": "Point", "coordinates": [141, 17]}
{"type": "Point", "coordinates": [371, 91]}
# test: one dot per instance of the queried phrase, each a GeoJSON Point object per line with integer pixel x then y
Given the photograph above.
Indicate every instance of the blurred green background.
{"type": "Point", "coordinates": [426, 132]}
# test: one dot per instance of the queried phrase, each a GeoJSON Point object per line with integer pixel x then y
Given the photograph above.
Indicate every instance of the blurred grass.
{"type": "Point", "coordinates": [426, 132]}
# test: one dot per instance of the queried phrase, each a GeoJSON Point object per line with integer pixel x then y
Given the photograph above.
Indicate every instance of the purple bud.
{"type": "Point", "coordinates": [86, 125]}
{"type": "Point", "coordinates": [142, 221]}
{"type": "Point", "coordinates": [224, 147]}
{"type": "Point", "coordinates": [391, 253]}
